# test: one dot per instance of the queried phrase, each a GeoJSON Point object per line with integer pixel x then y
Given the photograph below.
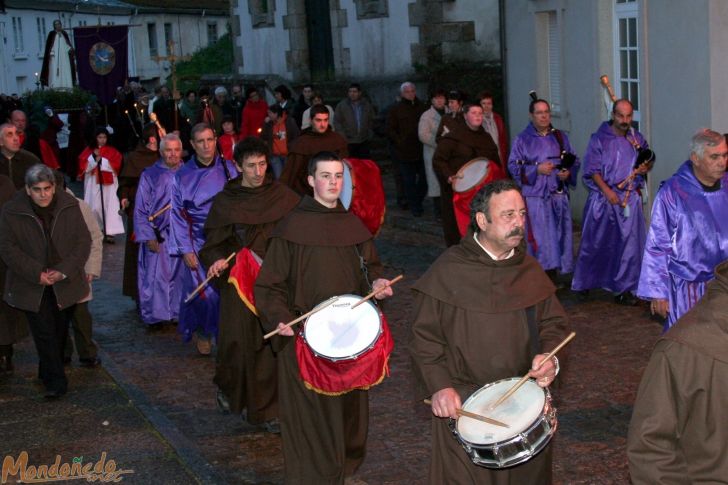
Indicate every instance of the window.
{"type": "Point", "coordinates": [152, 34]}
{"type": "Point", "coordinates": [262, 13]}
{"type": "Point", "coordinates": [627, 54]}
{"type": "Point", "coordinates": [548, 59]}
{"type": "Point", "coordinates": [167, 38]}
{"type": "Point", "coordinates": [40, 24]}
{"type": "Point", "coordinates": [371, 9]}
{"type": "Point", "coordinates": [18, 35]}
{"type": "Point", "coordinates": [211, 32]}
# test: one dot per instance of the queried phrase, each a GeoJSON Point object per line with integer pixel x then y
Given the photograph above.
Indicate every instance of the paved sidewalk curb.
{"type": "Point", "coordinates": [187, 451]}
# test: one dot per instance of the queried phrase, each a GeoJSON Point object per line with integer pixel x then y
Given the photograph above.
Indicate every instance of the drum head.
{"type": "Point", "coordinates": [519, 412]}
{"type": "Point", "coordinates": [338, 332]}
{"type": "Point", "coordinates": [470, 175]}
{"type": "Point", "coordinates": [347, 190]}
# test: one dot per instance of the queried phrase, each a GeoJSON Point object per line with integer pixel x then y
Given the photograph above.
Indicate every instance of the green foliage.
{"type": "Point", "coordinates": [216, 58]}
{"type": "Point", "coordinates": [59, 100]}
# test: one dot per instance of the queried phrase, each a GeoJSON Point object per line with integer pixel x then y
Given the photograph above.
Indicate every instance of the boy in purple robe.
{"type": "Point", "coordinates": [543, 165]}
{"type": "Point", "coordinates": [688, 233]}
{"type": "Point", "coordinates": [613, 226]}
{"type": "Point", "coordinates": [196, 184]}
{"type": "Point", "coordinates": [159, 278]}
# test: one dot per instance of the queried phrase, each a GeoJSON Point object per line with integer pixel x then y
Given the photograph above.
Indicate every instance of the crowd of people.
{"type": "Point", "coordinates": [237, 240]}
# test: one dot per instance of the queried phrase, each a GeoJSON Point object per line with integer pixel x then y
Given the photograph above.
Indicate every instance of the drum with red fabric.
{"type": "Point", "coordinates": [466, 183]}
{"type": "Point", "coordinates": [341, 348]}
{"type": "Point", "coordinates": [363, 192]}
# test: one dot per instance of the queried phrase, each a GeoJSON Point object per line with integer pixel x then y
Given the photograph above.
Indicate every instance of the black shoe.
{"type": "Point", "coordinates": [222, 402]}
{"type": "Point", "coordinates": [272, 426]}
{"type": "Point", "coordinates": [53, 394]}
{"type": "Point", "coordinates": [90, 363]}
{"type": "Point", "coordinates": [582, 295]}
{"type": "Point", "coordinates": [626, 299]}
{"type": "Point", "coordinates": [66, 360]}
{"type": "Point", "coordinates": [6, 365]}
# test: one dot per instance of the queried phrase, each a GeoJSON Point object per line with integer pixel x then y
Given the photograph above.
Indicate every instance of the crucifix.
{"type": "Point", "coordinates": [172, 58]}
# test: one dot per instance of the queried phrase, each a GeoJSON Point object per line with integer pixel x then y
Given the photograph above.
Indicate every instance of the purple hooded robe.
{"type": "Point", "coordinates": [687, 239]}
{"type": "Point", "coordinates": [549, 215]}
{"type": "Point", "coordinates": [612, 237]}
{"type": "Point", "coordinates": [192, 195]}
{"type": "Point", "coordinates": [159, 277]}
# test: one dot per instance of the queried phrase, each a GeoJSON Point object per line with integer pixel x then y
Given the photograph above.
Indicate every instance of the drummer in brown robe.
{"type": "Point", "coordinates": [318, 138]}
{"type": "Point", "coordinates": [242, 215]}
{"type": "Point", "coordinates": [474, 313]}
{"type": "Point", "coordinates": [318, 251]}
{"type": "Point", "coordinates": [461, 143]}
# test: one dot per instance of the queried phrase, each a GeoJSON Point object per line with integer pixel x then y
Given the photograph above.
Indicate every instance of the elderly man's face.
{"type": "Point", "coordinates": [172, 153]}
{"type": "Point", "coordinates": [712, 165]}
{"type": "Point", "coordinates": [622, 117]}
{"type": "Point", "coordinates": [41, 193]}
{"type": "Point", "coordinates": [505, 229]}
{"type": "Point", "coordinates": [541, 116]}
{"type": "Point", "coordinates": [10, 140]}
{"type": "Point", "coordinates": [19, 119]}
{"type": "Point", "coordinates": [409, 93]}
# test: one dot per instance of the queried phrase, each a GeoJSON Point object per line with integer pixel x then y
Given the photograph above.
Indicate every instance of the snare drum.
{"type": "Point", "coordinates": [363, 193]}
{"type": "Point", "coordinates": [528, 412]}
{"type": "Point", "coordinates": [341, 349]}
{"type": "Point", "coordinates": [466, 183]}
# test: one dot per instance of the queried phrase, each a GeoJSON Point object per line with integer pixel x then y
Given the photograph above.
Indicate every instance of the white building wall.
{"type": "Point", "coordinates": [379, 47]}
{"type": "Point", "coordinates": [19, 65]}
{"type": "Point", "coordinates": [264, 48]}
{"type": "Point", "coordinates": [189, 33]}
{"type": "Point", "coordinates": [487, 37]}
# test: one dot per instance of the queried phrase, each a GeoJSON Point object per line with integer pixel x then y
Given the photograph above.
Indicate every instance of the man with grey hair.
{"type": "Point", "coordinates": [402, 124]}
{"type": "Point", "coordinates": [45, 244]}
{"type": "Point", "coordinates": [159, 274]}
{"type": "Point", "coordinates": [14, 161]}
{"type": "Point", "coordinates": [484, 297]}
{"type": "Point", "coordinates": [688, 235]}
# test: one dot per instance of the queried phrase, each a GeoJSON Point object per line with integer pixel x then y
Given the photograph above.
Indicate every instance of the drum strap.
{"type": "Point", "coordinates": [532, 330]}
{"type": "Point", "coordinates": [363, 266]}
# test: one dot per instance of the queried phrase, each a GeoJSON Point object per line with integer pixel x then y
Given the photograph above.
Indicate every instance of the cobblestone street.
{"type": "Point", "coordinates": [151, 406]}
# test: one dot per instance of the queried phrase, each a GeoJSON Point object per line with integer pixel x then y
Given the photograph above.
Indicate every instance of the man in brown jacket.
{"type": "Point", "coordinates": [45, 244]}
{"type": "Point", "coordinates": [319, 138]}
{"type": "Point", "coordinates": [460, 144]}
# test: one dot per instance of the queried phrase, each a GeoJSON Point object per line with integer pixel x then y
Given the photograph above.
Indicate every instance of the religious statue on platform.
{"type": "Point", "coordinates": [59, 63]}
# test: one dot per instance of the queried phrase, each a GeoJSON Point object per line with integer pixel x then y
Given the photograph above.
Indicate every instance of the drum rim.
{"type": "Point", "coordinates": [469, 162]}
{"type": "Point", "coordinates": [546, 404]}
{"type": "Point", "coordinates": [355, 356]}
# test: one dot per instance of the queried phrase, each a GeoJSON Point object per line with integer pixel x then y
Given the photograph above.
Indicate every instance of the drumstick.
{"type": "Point", "coordinates": [479, 417]}
{"type": "Point", "coordinates": [159, 212]}
{"type": "Point", "coordinates": [207, 280]}
{"type": "Point", "coordinates": [371, 295]}
{"type": "Point", "coordinates": [525, 378]}
{"type": "Point", "coordinates": [302, 317]}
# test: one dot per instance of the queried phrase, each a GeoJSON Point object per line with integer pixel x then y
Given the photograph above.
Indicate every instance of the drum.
{"type": "Point", "coordinates": [466, 183]}
{"type": "Point", "coordinates": [341, 349]}
{"type": "Point", "coordinates": [363, 192]}
{"type": "Point", "coordinates": [528, 412]}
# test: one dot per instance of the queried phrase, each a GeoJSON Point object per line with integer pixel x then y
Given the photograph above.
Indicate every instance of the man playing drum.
{"type": "Point", "coordinates": [317, 251]}
{"type": "Point", "coordinates": [460, 144]}
{"type": "Point", "coordinates": [483, 312]}
{"type": "Point", "coordinates": [242, 215]}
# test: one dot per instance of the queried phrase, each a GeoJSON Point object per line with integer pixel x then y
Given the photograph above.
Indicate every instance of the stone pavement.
{"type": "Point", "coordinates": [152, 405]}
